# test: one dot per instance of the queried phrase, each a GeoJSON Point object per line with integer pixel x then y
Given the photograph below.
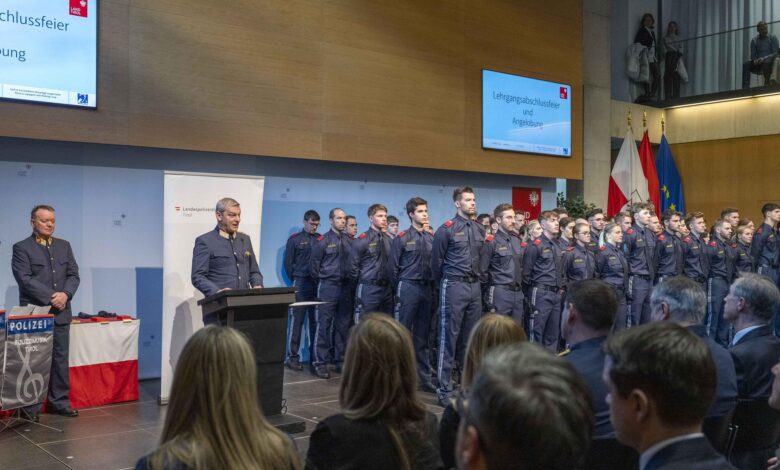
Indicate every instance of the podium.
{"type": "Point", "coordinates": [261, 314]}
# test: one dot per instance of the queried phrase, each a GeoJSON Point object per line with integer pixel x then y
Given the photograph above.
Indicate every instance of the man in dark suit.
{"type": "Point", "coordinates": [588, 314]}
{"type": "Point", "coordinates": [223, 259]}
{"type": "Point", "coordinates": [47, 274]}
{"type": "Point", "coordinates": [749, 307]}
{"type": "Point", "coordinates": [681, 300]}
{"type": "Point", "coordinates": [661, 381]}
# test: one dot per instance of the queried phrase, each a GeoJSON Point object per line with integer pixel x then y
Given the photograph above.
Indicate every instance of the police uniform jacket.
{"type": "Point", "coordinates": [764, 248]}
{"type": "Point", "coordinates": [542, 263]}
{"type": "Point", "coordinates": [457, 248]}
{"type": "Point", "coordinates": [329, 257]}
{"type": "Point", "coordinates": [612, 267]}
{"type": "Point", "coordinates": [297, 254]}
{"type": "Point", "coordinates": [697, 263]}
{"type": "Point", "coordinates": [722, 258]}
{"type": "Point", "coordinates": [578, 263]}
{"type": "Point", "coordinates": [639, 246]}
{"type": "Point", "coordinates": [744, 259]}
{"type": "Point", "coordinates": [502, 259]}
{"type": "Point", "coordinates": [222, 261]}
{"type": "Point", "coordinates": [368, 258]}
{"type": "Point", "coordinates": [593, 244]}
{"type": "Point", "coordinates": [410, 256]}
{"type": "Point", "coordinates": [669, 254]}
{"type": "Point", "coordinates": [43, 267]}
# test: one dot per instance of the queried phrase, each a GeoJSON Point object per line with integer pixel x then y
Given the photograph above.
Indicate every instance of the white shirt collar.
{"type": "Point", "coordinates": [650, 453]}
{"type": "Point", "coordinates": [739, 334]}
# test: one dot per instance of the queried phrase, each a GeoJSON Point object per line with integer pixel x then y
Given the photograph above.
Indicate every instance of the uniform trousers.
{"type": "Point", "coordinates": [460, 307]}
{"type": "Point", "coordinates": [328, 291]}
{"type": "Point", "coordinates": [372, 298]}
{"type": "Point", "coordinates": [507, 301]}
{"type": "Point", "coordinates": [717, 328]}
{"type": "Point", "coordinates": [545, 321]}
{"type": "Point", "coordinates": [413, 310]}
{"type": "Point", "coordinates": [305, 290]}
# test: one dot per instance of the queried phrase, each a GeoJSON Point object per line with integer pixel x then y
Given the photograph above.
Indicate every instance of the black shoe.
{"type": "Point", "coordinates": [322, 372]}
{"type": "Point", "coordinates": [294, 364]}
{"type": "Point", "coordinates": [67, 411]}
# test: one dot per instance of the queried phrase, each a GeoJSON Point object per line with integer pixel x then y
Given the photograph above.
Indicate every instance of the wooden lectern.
{"type": "Point", "coordinates": [261, 314]}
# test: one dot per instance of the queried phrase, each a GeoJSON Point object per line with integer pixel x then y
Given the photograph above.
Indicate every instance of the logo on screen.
{"type": "Point", "coordinates": [78, 8]}
{"type": "Point", "coordinates": [82, 98]}
{"type": "Point", "coordinates": [564, 93]}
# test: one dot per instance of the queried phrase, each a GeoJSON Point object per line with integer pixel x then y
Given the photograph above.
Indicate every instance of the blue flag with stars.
{"type": "Point", "coordinates": [669, 179]}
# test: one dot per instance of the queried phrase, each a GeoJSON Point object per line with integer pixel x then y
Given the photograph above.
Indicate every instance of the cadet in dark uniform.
{"type": "Point", "coordinates": [588, 316]}
{"type": "Point", "coordinates": [455, 264]}
{"type": "Point", "coordinates": [223, 259]}
{"type": "Point", "coordinates": [328, 269]}
{"type": "Point", "coordinates": [596, 220]}
{"type": "Point", "coordinates": [579, 262]}
{"type": "Point", "coordinates": [744, 262]}
{"type": "Point", "coordinates": [697, 263]}
{"type": "Point", "coordinates": [47, 274]}
{"type": "Point", "coordinates": [639, 247]}
{"type": "Point", "coordinates": [721, 259]}
{"type": "Point", "coordinates": [612, 268]}
{"type": "Point", "coordinates": [503, 262]}
{"type": "Point", "coordinates": [297, 256]}
{"type": "Point", "coordinates": [765, 249]}
{"type": "Point", "coordinates": [542, 280]}
{"type": "Point", "coordinates": [668, 247]}
{"type": "Point", "coordinates": [346, 313]}
{"type": "Point", "coordinates": [410, 275]}
{"type": "Point", "coordinates": [368, 266]}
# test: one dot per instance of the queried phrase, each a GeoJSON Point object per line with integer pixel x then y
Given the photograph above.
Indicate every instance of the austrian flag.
{"type": "Point", "coordinates": [627, 182]}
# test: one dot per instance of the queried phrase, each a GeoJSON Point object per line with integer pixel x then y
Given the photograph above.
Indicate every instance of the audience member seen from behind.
{"type": "Point", "coordinates": [750, 306]}
{"type": "Point", "coordinates": [672, 55]}
{"type": "Point", "coordinates": [681, 300]}
{"type": "Point", "coordinates": [383, 425]}
{"type": "Point", "coordinates": [588, 315]}
{"type": "Point", "coordinates": [661, 381]}
{"type": "Point", "coordinates": [763, 52]}
{"type": "Point", "coordinates": [527, 409]}
{"type": "Point", "coordinates": [213, 419]}
{"type": "Point", "coordinates": [490, 331]}
{"type": "Point", "coordinates": [774, 402]}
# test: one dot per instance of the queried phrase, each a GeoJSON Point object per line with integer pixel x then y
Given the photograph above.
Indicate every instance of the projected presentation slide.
{"type": "Point", "coordinates": [48, 51]}
{"type": "Point", "coordinates": [523, 114]}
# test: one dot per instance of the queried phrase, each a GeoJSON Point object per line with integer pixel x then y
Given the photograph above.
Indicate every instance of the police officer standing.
{"type": "Point", "coordinates": [352, 227]}
{"type": "Point", "coordinates": [721, 259]}
{"type": "Point", "coordinates": [503, 262]}
{"type": "Point", "coordinates": [297, 256]}
{"type": "Point", "coordinates": [542, 278]}
{"type": "Point", "coordinates": [345, 315]}
{"type": "Point", "coordinates": [668, 247]}
{"type": "Point", "coordinates": [612, 268]}
{"type": "Point", "coordinates": [697, 265]}
{"type": "Point", "coordinates": [410, 275]}
{"type": "Point", "coordinates": [47, 274]}
{"type": "Point", "coordinates": [765, 250]}
{"type": "Point", "coordinates": [639, 247]}
{"type": "Point", "coordinates": [224, 259]}
{"type": "Point", "coordinates": [328, 269]}
{"type": "Point", "coordinates": [368, 265]}
{"type": "Point", "coordinates": [579, 262]}
{"type": "Point", "coordinates": [596, 220]}
{"type": "Point", "coordinates": [455, 263]}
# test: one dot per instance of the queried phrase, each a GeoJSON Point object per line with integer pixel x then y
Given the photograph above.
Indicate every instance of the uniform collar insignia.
{"type": "Point", "coordinates": [43, 241]}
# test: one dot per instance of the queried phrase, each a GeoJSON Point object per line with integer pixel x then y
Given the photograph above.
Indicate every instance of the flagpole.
{"type": "Point", "coordinates": [663, 125]}
{"type": "Point", "coordinates": [631, 164]}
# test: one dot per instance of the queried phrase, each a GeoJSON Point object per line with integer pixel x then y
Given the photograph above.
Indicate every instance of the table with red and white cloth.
{"type": "Point", "coordinates": [103, 362]}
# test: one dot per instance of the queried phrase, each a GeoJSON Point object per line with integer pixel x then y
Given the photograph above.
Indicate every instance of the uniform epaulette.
{"type": "Point", "coordinates": [565, 352]}
{"type": "Point", "coordinates": [569, 248]}
{"type": "Point", "coordinates": [687, 239]}
{"type": "Point", "coordinates": [759, 231]}
{"type": "Point", "coordinates": [538, 241]}
{"type": "Point", "coordinates": [733, 245]}
{"type": "Point", "coordinates": [523, 244]}
{"type": "Point", "coordinates": [661, 237]}
{"type": "Point", "coordinates": [489, 238]}
{"type": "Point", "coordinates": [602, 248]}
{"type": "Point", "coordinates": [630, 231]}
{"type": "Point", "coordinates": [320, 238]}
{"type": "Point", "coordinates": [449, 223]}
{"type": "Point", "coordinates": [712, 243]}
{"type": "Point", "coordinates": [401, 233]}
{"type": "Point", "coordinates": [295, 234]}
{"type": "Point", "coordinates": [363, 235]}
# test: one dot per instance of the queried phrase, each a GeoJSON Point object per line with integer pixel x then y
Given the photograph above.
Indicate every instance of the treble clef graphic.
{"type": "Point", "coordinates": [29, 385]}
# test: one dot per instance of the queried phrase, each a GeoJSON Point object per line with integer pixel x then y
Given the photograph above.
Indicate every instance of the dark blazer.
{"type": "Point", "coordinates": [42, 271]}
{"type": "Point", "coordinates": [645, 37]}
{"type": "Point", "coordinates": [217, 263]}
{"type": "Point", "coordinates": [754, 356]}
{"type": "Point", "coordinates": [725, 374]}
{"type": "Point", "coordinates": [587, 357]}
{"type": "Point", "coordinates": [690, 454]}
{"type": "Point", "coordinates": [448, 434]}
{"type": "Point", "coordinates": [342, 443]}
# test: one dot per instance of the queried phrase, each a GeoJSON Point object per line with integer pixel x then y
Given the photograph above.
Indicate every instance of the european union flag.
{"type": "Point", "coordinates": [669, 179]}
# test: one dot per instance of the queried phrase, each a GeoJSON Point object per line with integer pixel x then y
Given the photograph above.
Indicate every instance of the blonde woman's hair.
{"type": "Point", "coordinates": [530, 228]}
{"type": "Point", "coordinates": [606, 232]}
{"type": "Point", "coordinates": [380, 379]}
{"type": "Point", "coordinates": [214, 419]}
{"type": "Point", "coordinates": [490, 331]}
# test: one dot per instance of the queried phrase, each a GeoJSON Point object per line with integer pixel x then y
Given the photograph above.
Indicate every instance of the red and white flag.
{"type": "Point", "coordinates": [627, 183]}
{"type": "Point", "coordinates": [648, 167]}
